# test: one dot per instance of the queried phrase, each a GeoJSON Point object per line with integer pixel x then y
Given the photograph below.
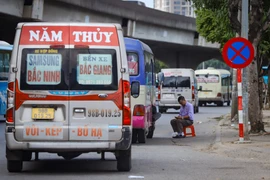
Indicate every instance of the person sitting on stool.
{"type": "Point", "coordinates": [185, 118]}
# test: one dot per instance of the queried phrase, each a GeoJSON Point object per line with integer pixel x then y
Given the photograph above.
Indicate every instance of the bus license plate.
{"type": "Point", "coordinates": [43, 113]}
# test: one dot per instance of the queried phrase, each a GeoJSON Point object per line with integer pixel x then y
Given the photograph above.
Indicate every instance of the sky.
{"type": "Point", "coordinates": [148, 3]}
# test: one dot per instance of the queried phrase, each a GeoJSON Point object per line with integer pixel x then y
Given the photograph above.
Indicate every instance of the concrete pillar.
{"type": "Point", "coordinates": [35, 10]}
{"type": "Point", "coordinates": [131, 27]}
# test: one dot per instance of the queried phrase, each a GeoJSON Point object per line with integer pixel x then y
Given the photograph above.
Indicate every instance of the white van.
{"type": "Point", "coordinates": [215, 86]}
{"type": "Point", "coordinates": [174, 83]}
{"type": "Point", "coordinates": [68, 93]}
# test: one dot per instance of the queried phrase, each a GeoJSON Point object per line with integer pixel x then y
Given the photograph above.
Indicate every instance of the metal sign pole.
{"type": "Point", "coordinates": [240, 106]}
{"type": "Point", "coordinates": [245, 101]}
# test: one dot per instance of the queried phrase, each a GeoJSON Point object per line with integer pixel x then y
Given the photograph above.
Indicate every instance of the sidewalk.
{"type": "Point", "coordinates": [228, 136]}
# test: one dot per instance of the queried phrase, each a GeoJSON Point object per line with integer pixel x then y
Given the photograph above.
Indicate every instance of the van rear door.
{"type": "Point", "coordinates": [175, 86]}
{"type": "Point", "coordinates": [41, 111]}
{"type": "Point", "coordinates": [183, 84]}
{"type": "Point", "coordinates": [168, 91]}
{"type": "Point", "coordinates": [96, 93]}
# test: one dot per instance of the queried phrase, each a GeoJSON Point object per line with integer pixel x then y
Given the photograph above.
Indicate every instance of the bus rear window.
{"type": "Point", "coordinates": [207, 78]}
{"type": "Point", "coordinates": [178, 81]}
{"type": "Point", "coordinates": [169, 81]}
{"type": "Point", "coordinates": [43, 69]}
{"type": "Point", "coordinates": [93, 69]}
{"type": "Point", "coordinates": [133, 63]}
{"type": "Point", "coordinates": [183, 81]}
{"type": "Point", "coordinates": [69, 69]}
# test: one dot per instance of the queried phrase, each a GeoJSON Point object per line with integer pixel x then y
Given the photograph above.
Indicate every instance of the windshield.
{"type": "Point", "coordinates": [207, 78]}
{"type": "Point", "coordinates": [4, 64]}
{"type": "Point", "coordinates": [179, 81]}
{"type": "Point", "coordinates": [68, 69]}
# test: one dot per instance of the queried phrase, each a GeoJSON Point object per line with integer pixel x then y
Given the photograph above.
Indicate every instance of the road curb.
{"type": "Point", "coordinates": [218, 134]}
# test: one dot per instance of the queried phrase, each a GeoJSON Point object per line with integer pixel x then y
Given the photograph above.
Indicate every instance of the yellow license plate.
{"type": "Point", "coordinates": [205, 92]}
{"type": "Point", "coordinates": [43, 113]}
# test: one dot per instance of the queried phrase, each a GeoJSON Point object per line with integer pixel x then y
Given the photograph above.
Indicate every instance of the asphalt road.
{"type": "Point", "coordinates": [160, 158]}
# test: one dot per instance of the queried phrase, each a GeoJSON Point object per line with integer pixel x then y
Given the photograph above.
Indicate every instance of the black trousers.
{"type": "Point", "coordinates": [178, 124]}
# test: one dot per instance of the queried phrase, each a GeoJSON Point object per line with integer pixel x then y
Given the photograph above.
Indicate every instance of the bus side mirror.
{"type": "Point", "coordinates": [135, 89]}
{"type": "Point", "coordinates": [160, 77]}
{"type": "Point", "coordinates": [200, 88]}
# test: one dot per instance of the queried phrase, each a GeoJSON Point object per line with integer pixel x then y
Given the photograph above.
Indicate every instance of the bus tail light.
{"type": "Point", "coordinates": [193, 93]}
{"type": "Point", "coordinates": [126, 102]}
{"type": "Point", "coordinates": [139, 110]}
{"type": "Point", "coordinates": [159, 92]}
{"type": "Point", "coordinates": [59, 46]}
{"type": "Point", "coordinates": [219, 94]}
{"type": "Point", "coordinates": [10, 103]}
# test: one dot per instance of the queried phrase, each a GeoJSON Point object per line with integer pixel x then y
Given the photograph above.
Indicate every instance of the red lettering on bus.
{"type": "Point", "coordinates": [52, 76]}
{"type": "Point", "coordinates": [85, 69]}
{"type": "Point", "coordinates": [102, 69]}
{"type": "Point", "coordinates": [53, 131]}
{"type": "Point", "coordinates": [33, 131]}
{"type": "Point", "coordinates": [96, 132]}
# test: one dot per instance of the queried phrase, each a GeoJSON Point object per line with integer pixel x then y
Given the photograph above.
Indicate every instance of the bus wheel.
{"type": "Point", "coordinates": [27, 156]}
{"type": "Point", "coordinates": [141, 136]}
{"type": "Point", "coordinates": [134, 136]}
{"type": "Point", "coordinates": [200, 104]}
{"type": "Point", "coordinates": [14, 166]}
{"type": "Point", "coordinates": [162, 110]}
{"type": "Point", "coordinates": [124, 160]}
{"type": "Point", "coordinates": [150, 132]}
{"type": "Point", "coordinates": [220, 103]}
{"type": "Point", "coordinates": [228, 103]}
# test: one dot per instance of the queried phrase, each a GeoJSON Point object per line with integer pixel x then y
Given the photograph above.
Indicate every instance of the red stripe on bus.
{"type": "Point", "coordinates": [116, 97]}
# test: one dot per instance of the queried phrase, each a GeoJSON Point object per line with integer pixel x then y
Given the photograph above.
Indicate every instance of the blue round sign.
{"type": "Point", "coordinates": [238, 52]}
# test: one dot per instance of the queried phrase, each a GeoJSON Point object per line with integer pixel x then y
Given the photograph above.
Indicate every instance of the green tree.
{"type": "Point", "coordinates": [159, 65]}
{"type": "Point", "coordinates": [217, 21]}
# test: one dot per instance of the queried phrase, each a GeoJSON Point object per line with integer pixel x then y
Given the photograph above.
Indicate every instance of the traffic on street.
{"type": "Point", "coordinates": [124, 89]}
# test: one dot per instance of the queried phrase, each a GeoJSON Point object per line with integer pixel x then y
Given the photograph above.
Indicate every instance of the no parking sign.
{"type": "Point", "coordinates": [238, 52]}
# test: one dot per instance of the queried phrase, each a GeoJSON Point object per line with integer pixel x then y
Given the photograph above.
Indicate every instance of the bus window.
{"type": "Point", "coordinates": [148, 68]}
{"type": "Point", "coordinates": [133, 61]}
{"type": "Point", "coordinates": [4, 65]}
{"type": "Point", "coordinates": [207, 78]}
{"type": "Point", "coordinates": [182, 81]}
{"type": "Point", "coordinates": [169, 81]}
{"type": "Point", "coordinates": [5, 55]}
{"type": "Point", "coordinates": [225, 81]}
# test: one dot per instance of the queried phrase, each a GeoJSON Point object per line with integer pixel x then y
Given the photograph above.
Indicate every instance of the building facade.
{"type": "Point", "coordinates": [181, 7]}
{"type": "Point", "coordinates": [185, 8]}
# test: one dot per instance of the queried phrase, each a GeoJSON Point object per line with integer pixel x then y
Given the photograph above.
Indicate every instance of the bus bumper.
{"type": "Point", "coordinates": [211, 99]}
{"type": "Point", "coordinates": [54, 146]}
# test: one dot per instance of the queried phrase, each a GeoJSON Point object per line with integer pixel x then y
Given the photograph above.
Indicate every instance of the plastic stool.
{"type": "Point", "coordinates": [192, 129]}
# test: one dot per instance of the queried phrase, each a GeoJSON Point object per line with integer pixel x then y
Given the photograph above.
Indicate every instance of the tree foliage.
{"type": "Point", "coordinates": [213, 22]}
{"type": "Point", "coordinates": [159, 65]}
{"type": "Point", "coordinates": [217, 64]}
{"type": "Point", "coordinates": [218, 21]}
